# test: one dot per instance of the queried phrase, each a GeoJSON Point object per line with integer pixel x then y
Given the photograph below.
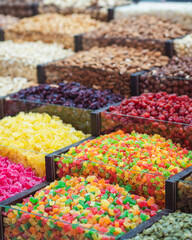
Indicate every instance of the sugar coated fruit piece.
{"type": "Point", "coordinates": [82, 208]}
{"type": "Point", "coordinates": [15, 178]}
{"type": "Point", "coordinates": [29, 136]}
{"type": "Point", "coordinates": [138, 159]}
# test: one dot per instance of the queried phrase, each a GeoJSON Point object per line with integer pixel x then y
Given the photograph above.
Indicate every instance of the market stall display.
{"type": "Point", "coordinates": [80, 158]}
{"type": "Point", "coordinates": [15, 178]}
{"type": "Point", "coordinates": [133, 159]}
{"type": "Point", "coordinates": [176, 12]}
{"type": "Point", "coordinates": [52, 28]}
{"type": "Point", "coordinates": [175, 77]}
{"type": "Point", "coordinates": [6, 20]}
{"type": "Point", "coordinates": [174, 226]}
{"type": "Point", "coordinates": [22, 59]}
{"type": "Point", "coordinates": [98, 9]}
{"type": "Point", "coordinates": [142, 31]}
{"type": "Point", "coordinates": [69, 94]}
{"type": "Point", "coordinates": [38, 133]}
{"type": "Point", "coordinates": [83, 207]}
{"type": "Point", "coordinates": [19, 8]}
{"type": "Point", "coordinates": [160, 113]}
{"type": "Point", "coordinates": [104, 68]}
{"type": "Point", "coordinates": [10, 85]}
{"type": "Point", "coordinates": [183, 46]}
{"type": "Point", "coordinates": [184, 194]}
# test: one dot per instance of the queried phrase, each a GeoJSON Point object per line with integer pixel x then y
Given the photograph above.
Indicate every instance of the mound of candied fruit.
{"type": "Point", "coordinates": [162, 106]}
{"type": "Point", "coordinates": [83, 208]}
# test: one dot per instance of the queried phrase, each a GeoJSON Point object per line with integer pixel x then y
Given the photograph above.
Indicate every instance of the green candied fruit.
{"type": "Point", "coordinates": [143, 217]}
{"type": "Point", "coordinates": [33, 200]}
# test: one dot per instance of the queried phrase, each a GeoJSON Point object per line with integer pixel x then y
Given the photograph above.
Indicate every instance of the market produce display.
{"type": "Point", "coordinates": [162, 106]}
{"type": "Point", "coordinates": [19, 8]}
{"type": "Point", "coordinates": [28, 137]}
{"type": "Point", "coordinates": [5, 21]}
{"type": "Point", "coordinates": [183, 46]}
{"type": "Point", "coordinates": [95, 120]}
{"type": "Point", "coordinates": [175, 77]}
{"type": "Point", "coordinates": [51, 28]}
{"type": "Point", "coordinates": [174, 226]}
{"type": "Point", "coordinates": [176, 12]}
{"type": "Point", "coordinates": [143, 31]}
{"type": "Point", "coordinates": [97, 9]}
{"type": "Point", "coordinates": [140, 160]}
{"type": "Point", "coordinates": [105, 68]}
{"type": "Point", "coordinates": [15, 178]}
{"type": "Point", "coordinates": [69, 94]}
{"type": "Point", "coordinates": [10, 85]}
{"type": "Point", "coordinates": [83, 207]}
{"type": "Point", "coordinates": [21, 59]}
{"type": "Point", "coordinates": [184, 188]}
{"type": "Point", "coordinates": [160, 113]}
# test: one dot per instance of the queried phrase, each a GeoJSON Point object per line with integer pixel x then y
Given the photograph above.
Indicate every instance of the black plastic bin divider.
{"type": "Point", "coordinates": [168, 44]}
{"type": "Point", "coordinates": [171, 188]}
{"type": "Point", "coordinates": [34, 7]}
{"type": "Point", "coordinates": [135, 78]}
{"type": "Point", "coordinates": [111, 11]}
{"type": "Point", "coordinates": [17, 199]}
{"type": "Point", "coordinates": [50, 163]}
{"type": "Point", "coordinates": [169, 48]}
{"type": "Point", "coordinates": [41, 77]}
{"type": "Point", "coordinates": [2, 37]}
{"type": "Point", "coordinates": [96, 120]}
{"type": "Point", "coordinates": [141, 227]}
{"type": "Point", "coordinates": [78, 42]}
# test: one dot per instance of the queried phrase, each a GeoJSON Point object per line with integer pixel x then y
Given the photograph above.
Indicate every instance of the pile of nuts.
{"type": "Point", "coordinates": [104, 68]}
{"type": "Point", "coordinates": [175, 77]}
{"type": "Point", "coordinates": [5, 21]}
{"type": "Point", "coordinates": [184, 202]}
{"type": "Point", "coordinates": [145, 31]}
{"type": "Point", "coordinates": [52, 28]}
{"type": "Point", "coordinates": [98, 9]}
{"type": "Point", "coordinates": [10, 85]}
{"type": "Point", "coordinates": [176, 12]}
{"type": "Point", "coordinates": [21, 60]}
{"type": "Point", "coordinates": [183, 47]}
{"type": "Point", "coordinates": [19, 8]}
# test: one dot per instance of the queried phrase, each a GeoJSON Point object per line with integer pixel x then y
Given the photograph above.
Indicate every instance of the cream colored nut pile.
{"type": "Point", "coordinates": [183, 47]}
{"type": "Point", "coordinates": [84, 3]}
{"type": "Point", "coordinates": [6, 20]}
{"type": "Point", "coordinates": [10, 85]}
{"type": "Point", "coordinates": [175, 12]}
{"type": "Point", "coordinates": [21, 59]}
{"type": "Point", "coordinates": [56, 23]}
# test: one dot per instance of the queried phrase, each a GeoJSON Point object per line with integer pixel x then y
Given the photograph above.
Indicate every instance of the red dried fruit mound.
{"type": "Point", "coordinates": [161, 106]}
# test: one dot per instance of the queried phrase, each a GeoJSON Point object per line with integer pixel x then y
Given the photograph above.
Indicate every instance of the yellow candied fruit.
{"type": "Point", "coordinates": [29, 136]}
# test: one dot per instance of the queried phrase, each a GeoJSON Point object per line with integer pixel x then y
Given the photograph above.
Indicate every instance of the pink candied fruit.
{"type": "Point", "coordinates": [15, 178]}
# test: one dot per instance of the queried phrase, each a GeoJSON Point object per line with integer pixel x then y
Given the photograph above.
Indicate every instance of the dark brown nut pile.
{"type": "Point", "coordinates": [18, 8]}
{"type": "Point", "coordinates": [105, 68]}
{"type": "Point", "coordinates": [175, 77]}
{"type": "Point", "coordinates": [51, 28]}
{"type": "Point", "coordinates": [7, 20]}
{"type": "Point", "coordinates": [145, 31]}
{"type": "Point", "coordinates": [184, 202]}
